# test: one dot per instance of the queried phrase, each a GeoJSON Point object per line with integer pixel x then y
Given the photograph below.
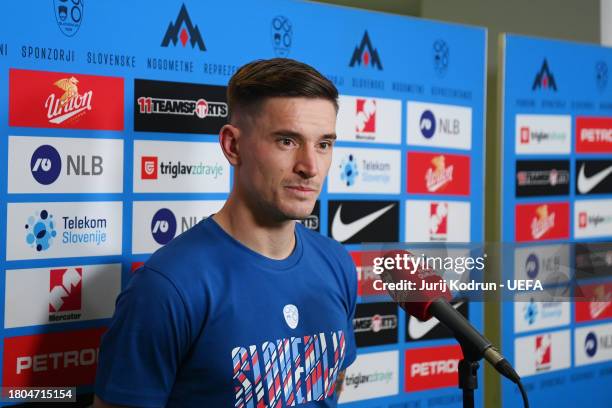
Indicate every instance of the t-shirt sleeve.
{"type": "Point", "coordinates": [148, 337]}
{"type": "Point", "coordinates": [351, 345]}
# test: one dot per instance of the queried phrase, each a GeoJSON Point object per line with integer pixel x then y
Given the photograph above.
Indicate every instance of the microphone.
{"type": "Point", "coordinates": [433, 302]}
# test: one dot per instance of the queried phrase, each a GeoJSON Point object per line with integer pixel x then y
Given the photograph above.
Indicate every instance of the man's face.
{"type": "Point", "coordinates": [285, 154]}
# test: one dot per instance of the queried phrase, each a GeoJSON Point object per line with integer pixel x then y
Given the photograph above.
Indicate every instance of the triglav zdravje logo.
{"type": "Point", "coordinates": [69, 15]}
{"type": "Point", "coordinates": [183, 30]}
{"type": "Point", "coordinates": [365, 54]}
{"type": "Point", "coordinates": [349, 170]}
{"type": "Point", "coordinates": [40, 231]}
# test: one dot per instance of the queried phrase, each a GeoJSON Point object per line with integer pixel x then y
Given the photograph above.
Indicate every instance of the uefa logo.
{"type": "Point", "coordinates": [45, 164]}
{"type": "Point", "coordinates": [69, 15]}
{"type": "Point", "coordinates": [349, 170]}
{"type": "Point", "coordinates": [40, 231]}
{"type": "Point", "coordinates": [427, 124]}
{"type": "Point", "coordinates": [163, 226]}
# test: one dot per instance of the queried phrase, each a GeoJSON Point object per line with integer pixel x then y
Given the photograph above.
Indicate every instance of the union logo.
{"type": "Point", "coordinates": [438, 175]}
{"type": "Point", "coordinates": [542, 222]}
{"type": "Point", "coordinates": [70, 104]}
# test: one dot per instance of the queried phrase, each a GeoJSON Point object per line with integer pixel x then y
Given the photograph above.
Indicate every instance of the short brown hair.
{"type": "Point", "coordinates": [277, 77]}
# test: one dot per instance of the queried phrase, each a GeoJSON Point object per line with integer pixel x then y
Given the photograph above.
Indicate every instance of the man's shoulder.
{"type": "Point", "coordinates": [194, 249]}
{"type": "Point", "coordinates": [324, 244]}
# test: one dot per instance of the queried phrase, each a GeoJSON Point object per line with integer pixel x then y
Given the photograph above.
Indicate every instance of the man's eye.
{"type": "Point", "coordinates": [286, 142]}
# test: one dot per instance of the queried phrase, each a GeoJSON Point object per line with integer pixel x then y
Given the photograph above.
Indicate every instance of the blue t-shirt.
{"type": "Point", "coordinates": [210, 323]}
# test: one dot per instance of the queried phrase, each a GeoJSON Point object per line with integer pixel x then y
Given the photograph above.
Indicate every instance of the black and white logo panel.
{"type": "Point", "coordinates": [593, 177]}
{"type": "Point", "coordinates": [542, 178]}
{"type": "Point", "coordinates": [354, 222]}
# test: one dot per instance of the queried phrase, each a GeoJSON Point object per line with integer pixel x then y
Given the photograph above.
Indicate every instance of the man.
{"type": "Point", "coordinates": [248, 308]}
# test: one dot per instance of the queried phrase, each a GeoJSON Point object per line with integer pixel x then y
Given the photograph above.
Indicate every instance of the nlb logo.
{"type": "Point", "coordinates": [63, 100]}
{"type": "Point", "coordinates": [438, 219]}
{"type": "Point", "coordinates": [593, 344]}
{"type": "Point", "coordinates": [163, 226]}
{"type": "Point", "coordinates": [365, 54]}
{"type": "Point", "coordinates": [148, 167]}
{"type": "Point", "coordinates": [438, 125]}
{"type": "Point", "coordinates": [365, 115]}
{"type": "Point", "coordinates": [427, 124]}
{"type": "Point", "coordinates": [535, 222]}
{"type": "Point", "coordinates": [65, 286]}
{"type": "Point", "coordinates": [40, 231]}
{"type": "Point", "coordinates": [45, 164]}
{"type": "Point", "coordinates": [183, 30]}
{"type": "Point", "coordinates": [532, 266]}
{"type": "Point", "coordinates": [544, 79]}
{"type": "Point", "coordinates": [593, 134]}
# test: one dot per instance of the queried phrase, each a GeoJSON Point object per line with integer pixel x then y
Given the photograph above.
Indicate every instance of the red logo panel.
{"type": "Point", "coordinates": [364, 262]}
{"type": "Point", "coordinates": [65, 286]}
{"type": "Point", "coordinates": [539, 222]}
{"type": "Point", "coordinates": [68, 101]}
{"type": "Point", "coordinates": [438, 173]}
{"type": "Point", "coordinates": [51, 360]}
{"type": "Point", "coordinates": [593, 135]}
{"type": "Point", "coordinates": [593, 302]}
{"type": "Point", "coordinates": [366, 115]}
{"type": "Point", "coordinates": [432, 367]}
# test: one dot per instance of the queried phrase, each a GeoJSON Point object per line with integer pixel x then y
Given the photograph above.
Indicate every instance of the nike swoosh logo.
{"type": "Point", "coordinates": [342, 232]}
{"type": "Point", "coordinates": [586, 184]}
{"type": "Point", "coordinates": [418, 329]}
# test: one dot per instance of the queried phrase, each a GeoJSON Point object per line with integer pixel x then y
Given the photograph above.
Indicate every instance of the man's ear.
{"type": "Point", "coordinates": [229, 136]}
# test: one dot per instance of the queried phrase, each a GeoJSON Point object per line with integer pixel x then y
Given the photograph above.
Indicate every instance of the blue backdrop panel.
{"type": "Point", "coordinates": [556, 190]}
{"type": "Point", "coordinates": [380, 64]}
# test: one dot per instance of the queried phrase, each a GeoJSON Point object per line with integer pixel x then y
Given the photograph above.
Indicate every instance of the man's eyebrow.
{"type": "Point", "coordinates": [291, 133]}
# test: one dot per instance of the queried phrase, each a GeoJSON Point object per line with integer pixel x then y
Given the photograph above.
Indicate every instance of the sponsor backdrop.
{"type": "Point", "coordinates": [109, 150]}
{"type": "Point", "coordinates": [557, 189]}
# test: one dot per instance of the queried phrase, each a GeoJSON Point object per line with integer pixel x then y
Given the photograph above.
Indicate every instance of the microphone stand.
{"type": "Point", "coordinates": [468, 373]}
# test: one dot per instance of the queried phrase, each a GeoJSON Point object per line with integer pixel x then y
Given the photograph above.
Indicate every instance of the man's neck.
{"type": "Point", "coordinates": [270, 239]}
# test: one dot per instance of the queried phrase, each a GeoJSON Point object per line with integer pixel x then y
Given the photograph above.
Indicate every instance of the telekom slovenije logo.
{"type": "Point", "coordinates": [63, 100]}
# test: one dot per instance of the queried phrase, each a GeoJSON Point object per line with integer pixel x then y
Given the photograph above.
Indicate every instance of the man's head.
{"type": "Point", "coordinates": [280, 136]}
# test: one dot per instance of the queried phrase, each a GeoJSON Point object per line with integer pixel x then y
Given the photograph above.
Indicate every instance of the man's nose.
{"type": "Point", "coordinates": [306, 162]}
